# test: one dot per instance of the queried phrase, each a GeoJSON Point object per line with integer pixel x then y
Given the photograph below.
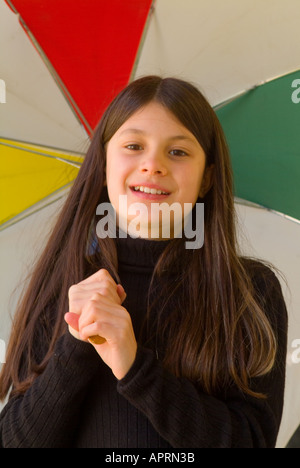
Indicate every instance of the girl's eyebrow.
{"type": "Point", "coordinates": [172, 138]}
{"type": "Point", "coordinates": [133, 130]}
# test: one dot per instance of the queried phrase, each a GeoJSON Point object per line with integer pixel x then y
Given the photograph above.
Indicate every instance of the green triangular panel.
{"type": "Point", "coordinates": [263, 132]}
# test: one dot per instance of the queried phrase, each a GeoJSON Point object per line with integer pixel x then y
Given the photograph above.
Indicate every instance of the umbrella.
{"type": "Point", "coordinates": [244, 56]}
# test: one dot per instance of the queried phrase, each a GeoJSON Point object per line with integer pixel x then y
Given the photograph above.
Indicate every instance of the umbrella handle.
{"type": "Point", "coordinates": [96, 339]}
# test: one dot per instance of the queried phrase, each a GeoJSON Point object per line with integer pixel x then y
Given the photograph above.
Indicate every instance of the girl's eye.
{"type": "Point", "coordinates": [178, 152]}
{"type": "Point", "coordinates": [134, 147]}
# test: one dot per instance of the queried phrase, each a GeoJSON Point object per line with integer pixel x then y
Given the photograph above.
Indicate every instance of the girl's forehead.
{"type": "Point", "coordinates": [152, 114]}
{"type": "Point", "coordinates": [156, 123]}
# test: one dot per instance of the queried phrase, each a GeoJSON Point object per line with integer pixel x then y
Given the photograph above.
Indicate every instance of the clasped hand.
{"type": "Point", "coordinates": [95, 308]}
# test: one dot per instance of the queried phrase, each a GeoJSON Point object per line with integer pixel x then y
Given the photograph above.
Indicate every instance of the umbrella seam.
{"type": "Point", "coordinates": [241, 201]}
{"type": "Point", "coordinates": [38, 153]}
{"type": "Point", "coordinates": [30, 210]}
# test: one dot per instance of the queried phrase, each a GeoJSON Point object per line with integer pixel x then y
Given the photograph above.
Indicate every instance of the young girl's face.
{"type": "Point", "coordinates": [153, 159]}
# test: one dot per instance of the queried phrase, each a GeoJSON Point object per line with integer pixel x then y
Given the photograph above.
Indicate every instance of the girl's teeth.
{"type": "Point", "coordinates": [153, 191]}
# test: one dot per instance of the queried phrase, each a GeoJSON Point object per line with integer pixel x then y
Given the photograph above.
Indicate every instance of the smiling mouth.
{"type": "Point", "coordinates": [150, 190]}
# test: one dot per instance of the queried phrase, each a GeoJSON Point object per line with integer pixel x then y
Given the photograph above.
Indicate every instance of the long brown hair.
{"type": "Point", "coordinates": [223, 336]}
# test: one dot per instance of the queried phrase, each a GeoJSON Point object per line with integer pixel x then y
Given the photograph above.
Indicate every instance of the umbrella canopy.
{"type": "Point", "coordinates": [183, 40]}
{"type": "Point", "coordinates": [62, 65]}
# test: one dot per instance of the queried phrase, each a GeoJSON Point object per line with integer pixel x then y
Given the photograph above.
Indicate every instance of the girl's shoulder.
{"type": "Point", "coordinates": [258, 268]}
{"type": "Point", "coordinates": [262, 274]}
{"type": "Point", "coordinates": [267, 287]}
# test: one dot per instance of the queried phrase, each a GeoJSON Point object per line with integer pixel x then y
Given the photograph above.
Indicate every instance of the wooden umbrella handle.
{"type": "Point", "coordinates": [96, 339]}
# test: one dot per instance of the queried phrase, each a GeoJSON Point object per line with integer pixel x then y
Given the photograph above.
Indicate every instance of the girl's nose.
{"type": "Point", "coordinates": [154, 164]}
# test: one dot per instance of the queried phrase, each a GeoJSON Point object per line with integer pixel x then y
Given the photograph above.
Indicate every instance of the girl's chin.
{"type": "Point", "coordinates": [150, 229]}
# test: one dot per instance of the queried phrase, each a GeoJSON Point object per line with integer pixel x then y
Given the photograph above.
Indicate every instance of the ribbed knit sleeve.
{"type": "Point", "coordinates": [187, 417]}
{"type": "Point", "coordinates": [46, 416]}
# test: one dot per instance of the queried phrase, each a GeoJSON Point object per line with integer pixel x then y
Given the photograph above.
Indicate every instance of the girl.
{"type": "Point", "coordinates": [134, 340]}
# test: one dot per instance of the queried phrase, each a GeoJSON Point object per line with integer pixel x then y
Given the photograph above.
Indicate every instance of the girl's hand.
{"type": "Point", "coordinates": [95, 309]}
{"type": "Point", "coordinates": [100, 282]}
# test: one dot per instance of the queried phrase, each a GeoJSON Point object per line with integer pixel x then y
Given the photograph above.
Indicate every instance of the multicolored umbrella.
{"type": "Point", "coordinates": [62, 64]}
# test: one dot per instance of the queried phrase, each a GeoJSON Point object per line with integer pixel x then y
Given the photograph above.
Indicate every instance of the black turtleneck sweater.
{"type": "Point", "coordinates": [77, 402]}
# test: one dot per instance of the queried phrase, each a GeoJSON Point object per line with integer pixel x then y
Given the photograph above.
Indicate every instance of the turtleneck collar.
{"type": "Point", "coordinates": [139, 252]}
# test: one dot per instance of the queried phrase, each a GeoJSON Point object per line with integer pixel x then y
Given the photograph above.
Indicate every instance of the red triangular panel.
{"type": "Point", "coordinates": [92, 45]}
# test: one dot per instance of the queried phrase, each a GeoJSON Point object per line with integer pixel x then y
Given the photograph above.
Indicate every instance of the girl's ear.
{"type": "Point", "coordinates": [207, 181]}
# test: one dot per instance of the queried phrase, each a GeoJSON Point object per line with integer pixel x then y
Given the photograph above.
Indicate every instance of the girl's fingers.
{"type": "Point", "coordinates": [79, 293]}
{"type": "Point", "coordinates": [121, 292]}
{"type": "Point", "coordinates": [94, 300]}
{"type": "Point", "coordinates": [72, 320]}
{"type": "Point", "coordinates": [108, 327]}
{"type": "Point", "coordinates": [100, 275]}
{"type": "Point", "coordinates": [92, 331]}
{"type": "Point", "coordinates": [100, 312]}
{"type": "Point", "coordinates": [101, 282]}
{"type": "Point", "coordinates": [100, 326]}
{"type": "Point", "coordinates": [111, 331]}
{"type": "Point", "coordinates": [96, 307]}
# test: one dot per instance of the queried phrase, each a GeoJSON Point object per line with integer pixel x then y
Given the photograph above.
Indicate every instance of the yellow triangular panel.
{"type": "Point", "coordinates": [29, 173]}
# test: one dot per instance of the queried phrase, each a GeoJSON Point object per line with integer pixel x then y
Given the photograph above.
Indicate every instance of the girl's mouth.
{"type": "Point", "coordinates": [145, 189]}
{"type": "Point", "coordinates": [148, 192]}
